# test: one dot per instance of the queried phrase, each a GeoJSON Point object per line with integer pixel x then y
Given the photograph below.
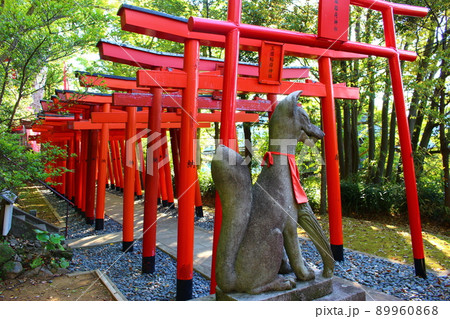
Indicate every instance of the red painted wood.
{"type": "Point", "coordinates": [102, 168]}
{"type": "Point", "coordinates": [293, 37]}
{"type": "Point", "coordinates": [152, 181]}
{"type": "Point", "coordinates": [91, 175]}
{"type": "Point", "coordinates": [271, 57]}
{"type": "Point", "coordinates": [331, 154]}
{"type": "Point", "coordinates": [129, 157]}
{"type": "Point", "coordinates": [173, 28]}
{"type": "Point", "coordinates": [146, 59]}
{"type": "Point", "coordinates": [214, 82]}
{"type": "Point", "coordinates": [174, 101]}
{"type": "Point", "coordinates": [186, 194]}
{"type": "Point", "coordinates": [334, 19]}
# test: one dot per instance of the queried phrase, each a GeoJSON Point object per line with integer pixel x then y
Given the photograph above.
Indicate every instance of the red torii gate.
{"type": "Point", "coordinates": [53, 129]}
{"type": "Point", "coordinates": [153, 60]}
{"type": "Point", "coordinates": [70, 98]}
{"type": "Point", "coordinates": [121, 83]}
{"type": "Point", "coordinates": [170, 120]}
{"type": "Point", "coordinates": [190, 80]}
{"type": "Point", "coordinates": [232, 29]}
{"type": "Point", "coordinates": [331, 36]}
{"type": "Point", "coordinates": [89, 148]}
{"type": "Point", "coordinates": [147, 100]}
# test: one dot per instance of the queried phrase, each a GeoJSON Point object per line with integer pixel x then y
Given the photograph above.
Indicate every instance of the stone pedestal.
{"type": "Point", "coordinates": [319, 289]}
{"type": "Point", "coordinates": [306, 290]}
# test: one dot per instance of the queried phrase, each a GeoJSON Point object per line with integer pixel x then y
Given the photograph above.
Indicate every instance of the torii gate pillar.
{"type": "Point", "coordinates": [186, 194]}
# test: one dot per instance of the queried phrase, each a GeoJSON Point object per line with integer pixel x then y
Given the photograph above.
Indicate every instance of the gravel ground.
{"type": "Point", "coordinates": [392, 278]}
{"type": "Point", "coordinates": [124, 269]}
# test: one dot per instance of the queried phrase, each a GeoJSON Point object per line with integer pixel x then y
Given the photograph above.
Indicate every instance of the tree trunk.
{"type": "Point", "coordinates": [323, 183]}
{"type": "Point", "coordinates": [340, 141]}
{"type": "Point", "coordinates": [347, 141]}
{"type": "Point", "coordinates": [371, 121]}
{"type": "Point", "coordinates": [421, 73]}
{"type": "Point", "coordinates": [355, 139]}
{"type": "Point", "coordinates": [216, 132]}
{"type": "Point", "coordinates": [38, 94]}
{"type": "Point", "coordinates": [248, 143]}
{"type": "Point", "coordinates": [423, 146]}
{"type": "Point", "coordinates": [443, 136]}
{"type": "Point", "coordinates": [5, 82]}
{"type": "Point", "coordinates": [391, 154]}
{"type": "Point", "coordinates": [445, 150]}
{"type": "Point", "coordinates": [436, 98]}
{"type": "Point", "coordinates": [384, 144]}
{"type": "Point", "coordinates": [418, 122]}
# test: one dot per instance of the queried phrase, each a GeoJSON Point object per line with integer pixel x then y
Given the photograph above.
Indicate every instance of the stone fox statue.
{"type": "Point", "coordinates": [258, 245]}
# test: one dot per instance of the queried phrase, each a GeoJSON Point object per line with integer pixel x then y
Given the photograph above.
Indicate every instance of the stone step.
{"type": "Point", "coordinates": [22, 224]}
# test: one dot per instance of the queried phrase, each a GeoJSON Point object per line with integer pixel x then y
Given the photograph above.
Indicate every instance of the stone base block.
{"type": "Point", "coordinates": [344, 290]}
{"type": "Point", "coordinates": [306, 290]}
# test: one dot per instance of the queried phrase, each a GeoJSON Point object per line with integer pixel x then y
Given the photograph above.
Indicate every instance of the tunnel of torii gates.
{"type": "Point", "coordinates": [104, 130]}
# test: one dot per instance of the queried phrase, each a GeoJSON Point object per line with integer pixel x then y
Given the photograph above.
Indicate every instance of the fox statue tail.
{"type": "Point", "coordinates": [228, 168]}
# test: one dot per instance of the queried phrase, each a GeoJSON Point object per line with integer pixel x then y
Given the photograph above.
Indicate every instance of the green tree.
{"type": "Point", "coordinates": [37, 35]}
{"type": "Point", "coordinates": [19, 164]}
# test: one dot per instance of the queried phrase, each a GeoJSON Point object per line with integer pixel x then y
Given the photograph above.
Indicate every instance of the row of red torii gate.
{"type": "Point", "coordinates": [167, 97]}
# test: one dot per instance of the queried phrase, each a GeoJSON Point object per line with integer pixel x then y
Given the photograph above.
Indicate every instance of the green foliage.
{"type": "Point", "coordinates": [37, 262]}
{"type": "Point", "coordinates": [6, 253]}
{"type": "Point", "coordinates": [311, 185]}
{"type": "Point", "coordinates": [51, 241]}
{"type": "Point", "coordinates": [6, 256]}
{"type": "Point", "coordinates": [35, 36]}
{"type": "Point", "coordinates": [372, 199]}
{"type": "Point", "coordinates": [389, 200]}
{"type": "Point", "coordinates": [52, 246]}
{"type": "Point", "coordinates": [18, 164]}
{"type": "Point", "coordinates": [207, 187]}
{"type": "Point", "coordinates": [430, 201]}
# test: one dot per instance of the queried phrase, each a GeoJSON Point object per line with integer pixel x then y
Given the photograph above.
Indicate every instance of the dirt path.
{"type": "Point", "coordinates": [84, 287]}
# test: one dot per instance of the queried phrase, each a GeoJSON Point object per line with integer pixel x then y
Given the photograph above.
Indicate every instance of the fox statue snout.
{"type": "Point", "coordinates": [258, 248]}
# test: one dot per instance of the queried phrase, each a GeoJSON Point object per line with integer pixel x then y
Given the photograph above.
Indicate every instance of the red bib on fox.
{"type": "Point", "coordinates": [299, 193]}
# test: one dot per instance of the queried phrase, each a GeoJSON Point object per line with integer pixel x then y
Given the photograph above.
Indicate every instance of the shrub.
{"type": "Point", "coordinates": [390, 200]}
{"type": "Point", "coordinates": [350, 197]}
{"type": "Point", "coordinates": [6, 256]}
{"type": "Point", "coordinates": [6, 253]}
{"type": "Point", "coordinates": [431, 199]}
{"type": "Point", "coordinates": [19, 165]}
{"type": "Point", "coordinates": [311, 185]}
{"type": "Point", "coordinates": [207, 187]}
{"type": "Point", "coordinates": [54, 254]}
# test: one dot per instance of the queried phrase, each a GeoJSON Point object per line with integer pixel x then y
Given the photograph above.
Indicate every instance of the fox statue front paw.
{"type": "Point", "coordinates": [306, 275]}
{"type": "Point", "coordinates": [327, 272]}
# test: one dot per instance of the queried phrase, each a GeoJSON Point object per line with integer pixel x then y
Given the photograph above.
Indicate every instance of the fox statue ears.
{"type": "Point", "coordinates": [288, 105]}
